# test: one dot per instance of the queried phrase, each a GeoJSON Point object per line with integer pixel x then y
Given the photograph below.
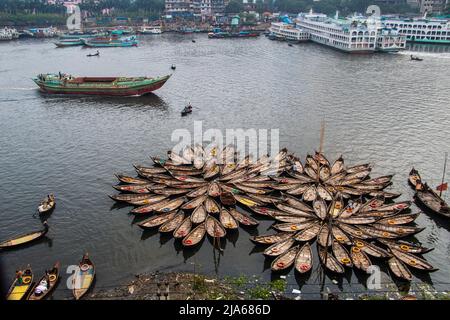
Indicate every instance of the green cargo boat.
{"type": "Point", "coordinates": [106, 86]}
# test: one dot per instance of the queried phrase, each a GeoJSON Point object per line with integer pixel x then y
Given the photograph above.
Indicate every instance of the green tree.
{"type": "Point", "coordinates": [234, 6]}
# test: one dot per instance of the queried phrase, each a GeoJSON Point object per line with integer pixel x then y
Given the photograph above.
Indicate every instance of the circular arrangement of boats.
{"type": "Point", "coordinates": [349, 215]}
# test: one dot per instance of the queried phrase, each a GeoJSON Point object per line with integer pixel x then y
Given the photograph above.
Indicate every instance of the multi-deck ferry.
{"type": "Point", "coordinates": [421, 30]}
{"type": "Point", "coordinates": [286, 31]}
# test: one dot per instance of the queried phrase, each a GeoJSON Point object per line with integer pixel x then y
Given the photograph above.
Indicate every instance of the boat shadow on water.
{"type": "Point", "coordinates": [149, 100]}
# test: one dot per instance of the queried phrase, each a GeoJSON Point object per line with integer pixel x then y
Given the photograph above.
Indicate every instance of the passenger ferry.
{"type": "Point", "coordinates": [421, 30]}
{"type": "Point", "coordinates": [286, 31]}
{"type": "Point", "coordinates": [150, 30]}
{"type": "Point", "coordinates": [354, 35]}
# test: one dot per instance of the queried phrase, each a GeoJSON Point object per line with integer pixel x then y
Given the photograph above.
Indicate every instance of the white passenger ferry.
{"type": "Point", "coordinates": [286, 31]}
{"type": "Point", "coordinates": [421, 30]}
{"type": "Point", "coordinates": [353, 35]}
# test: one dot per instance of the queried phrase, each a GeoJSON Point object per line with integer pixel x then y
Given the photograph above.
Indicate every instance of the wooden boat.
{"type": "Point", "coordinates": [227, 219]}
{"type": "Point", "coordinates": [183, 229]}
{"type": "Point", "coordinates": [300, 177]}
{"type": "Point", "coordinates": [371, 249]}
{"type": "Point", "coordinates": [156, 221]}
{"type": "Point", "coordinates": [292, 226]}
{"type": "Point", "coordinates": [414, 178]}
{"type": "Point", "coordinates": [195, 236]}
{"type": "Point", "coordinates": [324, 193]}
{"type": "Point", "coordinates": [296, 203]}
{"type": "Point", "coordinates": [108, 42]}
{"type": "Point", "coordinates": [83, 278]}
{"type": "Point", "coordinates": [399, 269]}
{"type": "Point", "coordinates": [290, 218]}
{"type": "Point", "coordinates": [252, 190]}
{"type": "Point", "coordinates": [227, 198]}
{"type": "Point", "coordinates": [189, 179]}
{"type": "Point", "coordinates": [23, 239]}
{"type": "Point", "coordinates": [405, 246]}
{"type": "Point", "coordinates": [211, 205]}
{"type": "Point", "coordinates": [214, 228]}
{"type": "Point", "coordinates": [128, 197]}
{"type": "Point", "coordinates": [106, 86]}
{"type": "Point", "coordinates": [311, 162]}
{"type": "Point", "coordinates": [308, 233]}
{"type": "Point", "coordinates": [297, 165]}
{"type": "Point", "coordinates": [338, 166]}
{"type": "Point", "coordinates": [279, 248]}
{"type": "Point", "coordinates": [413, 261]}
{"type": "Point", "coordinates": [214, 190]}
{"type": "Point", "coordinates": [246, 201]}
{"type": "Point", "coordinates": [354, 231]}
{"type": "Point", "coordinates": [372, 232]}
{"type": "Point", "coordinates": [311, 172]}
{"type": "Point", "coordinates": [432, 201]}
{"type": "Point", "coordinates": [197, 192]}
{"type": "Point", "coordinates": [171, 205]}
{"type": "Point", "coordinates": [324, 173]}
{"type": "Point", "coordinates": [341, 254]}
{"type": "Point", "coordinates": [171, 191]}
{"type": "Point", "coordinates": [400, 230]}
{"type": "Point", "coordinates": [199, 215]}
{"type": "Point", "coordinates": [212, 172]}
{"type": "Point", "coordinates": [21, 285]}
{"type": "Point", "coordinates": [303, 259]}
{"type": "Point", "coordinates": [46, 284]}
{"type": "Point", "coordinates": [68, 43]}
{"type": "Point", "coordinates": [310, 194]}
{"type": "Point", "coordinates": [294, 211]}
{"type": "Point", "coordinates": [379, 180]}
{"type": "Point", "coordinates": [134, 188]}
{"type": "Point", "coordinates": [47, 205]}
{"type": "Point", "coordinates": [320, 208]}
{"type": "Point", "coordinates": [330, 262]}
{"type": "Point", "coordinates": [243, 218]}
{"type": "Point", "coordinates": [336, 179]}
{"type": "Point", "coordinates": [271, 238]}
{"type": "Point", "coordinates": [324, 237]}
{"type": "Point", "coordinates": [360, 259]}
{"type": "Point", "coordinates": [265, 198]}
{"type": "Point", "coordinates": [340, 236]}
{"type": "Point", "coordinates": [399, 219]}
{"type": "Point", "coordinates": [413, 58]}
{"type": "Point", "coordinates": [150, 207]}
{"type": "Point", "coordinates": [131, 180]}
{"type": "Point", "coordinates": [148, 170]}
{"type": "Point", "coordinates": [357, 220]}
{"type": "Point", "coordinates": [285, 260]}
{"type": "Point", "coordinates": [385, 194]}
{"type": "Point", "coordinates": [357, 168]}
{"type": "Point", "coordinates": [173, 223]}
{"type": "Point", "coordinates": [194, 203]}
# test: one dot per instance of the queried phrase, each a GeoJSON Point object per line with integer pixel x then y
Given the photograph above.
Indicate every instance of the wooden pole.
{"type": "Point", "coordinates": [443, 174]}
{"type": "Point", "coordinates": [322, 135]}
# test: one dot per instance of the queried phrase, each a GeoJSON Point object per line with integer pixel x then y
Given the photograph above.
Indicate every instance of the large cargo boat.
{"type": "Point", "coordinates": [106, 86]}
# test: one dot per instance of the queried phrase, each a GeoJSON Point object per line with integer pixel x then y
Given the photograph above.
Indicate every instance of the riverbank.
{"type": "Point", "coordinates": [190, 286]}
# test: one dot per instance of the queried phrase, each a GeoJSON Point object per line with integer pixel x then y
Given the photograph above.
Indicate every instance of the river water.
{"type": "Point", "coordinates": [381, 108]}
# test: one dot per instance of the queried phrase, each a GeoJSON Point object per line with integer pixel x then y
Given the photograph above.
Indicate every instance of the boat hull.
{"type": "Point", "coordinates": [105, 91]}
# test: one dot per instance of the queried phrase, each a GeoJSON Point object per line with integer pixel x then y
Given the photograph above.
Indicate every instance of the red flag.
{"type": "Point", "coordinates": [442, 187]}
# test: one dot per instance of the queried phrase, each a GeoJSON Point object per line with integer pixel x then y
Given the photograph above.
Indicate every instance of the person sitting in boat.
{"type": "Point", "coordinates": [42, 287]}
{"type": "Point", "coordinates": [19, 275]}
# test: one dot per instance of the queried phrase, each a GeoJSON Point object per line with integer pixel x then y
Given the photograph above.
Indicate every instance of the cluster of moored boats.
{"type": "Point", "coordinates": [24, 287]}
{"type": "Point", "coordinates": [351, 215]}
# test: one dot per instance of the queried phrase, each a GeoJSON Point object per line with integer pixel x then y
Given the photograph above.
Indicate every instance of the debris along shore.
{"type": "Point", "coordinates": [190, 286]}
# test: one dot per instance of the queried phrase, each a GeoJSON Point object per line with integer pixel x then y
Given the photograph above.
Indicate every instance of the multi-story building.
{"type": "Point", "coordinates": [176, 7]}
{"type": "Point", "coordinates": [433, 6]}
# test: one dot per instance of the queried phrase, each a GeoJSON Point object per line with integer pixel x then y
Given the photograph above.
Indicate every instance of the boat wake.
{"type": "Point", "coordinates": [21, 89]}
{"type": "Point", "coordinates": [426, 54]}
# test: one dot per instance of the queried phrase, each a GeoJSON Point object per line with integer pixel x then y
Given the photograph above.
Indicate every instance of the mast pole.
{"type": "Point", "coordinates": [443, 174]}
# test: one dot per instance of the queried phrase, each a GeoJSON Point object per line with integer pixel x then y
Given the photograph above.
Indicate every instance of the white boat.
{"type": "Point", "coordinates": [7, 34]}
{"type": "Point", "coordinates": [356, 34]}
{"type": "Point", "coordinates": [421, 30]}
{"type": "Point", "coordinates": [286, 31]}
{"type": "Point", "coordinates": [150, 30]}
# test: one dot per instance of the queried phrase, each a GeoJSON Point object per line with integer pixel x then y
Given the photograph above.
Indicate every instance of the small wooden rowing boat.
{"type": "Point", "coordinates": [173, 223]}
{"type": "Point", "coordinates": [183, 229]}
{"type": "Point", "coordinates": [341, 254]}
{"type": "Point", "coordinates": [227, 198]}
{"type": "Point", "coordinates": [214, 190]}
{"type": "Point", "coordinates": [26, 238]}
{"type": "Point", "coordinates": [171, 205]}
{"type": "Point", "coordinates": [134, 188]}
{"type": "Point", "coordinates": [324, 237]}
{"type": "Point", "coordinates": [303, 259]}
{"type": "Point", "coordinates": [308, 233]}
{"type": "Point", "coordinates": [211, 206]}
{"type": "Point", "coordinates": [199, 215]}
{"type": "Point", "coordinates": [399, 269]}
{"type": "Point", "coordinates": [340, 236]}
{"type": "Point", "coordinates": [227, 219]}
{"type": "Point", "coordinates": [21, 285]}
{"type": "Point", "coordinates": [432, 201]}
{"type": "Point", "coordinates": [83, 278]}
{"type": "Point", "coordinates": [47, 205]}
{"type": "Point", "coordinates": [214, 228]}
{"type": "Point", "coordinates": [246, 201]}
{"type": "Point", "coordinates": [243, 218]}
{"type": "Point", "coordinates": [294, 211]}
{"type": "Point", "coordinates": [358, 168]}
{"type": "Point", "coordinates": [197, 192]}
{"type": "Point", "coordinates": [46, 284]}
{"type": "Point", "coordinates": [354, 231]}
{"type": "Point", "coordinates": [329, 261]}
{"type": "Point", "coordinates": [285, 260]}
{"type": "Point", "coordinates": [360, 259]}
{"type": "Point", "coordinates": [310, 194]}
{"type": "Point", "coordinates": [156, 221]}
{"type": "Point", "coordinates": [131, 180]}
{"type": "Point", "coordinates": [399, 219]}
{"type": "Point", "coordinates": [405, 246]}
{"type": "Point", "coordinates": [371, 249]}
{"type": "Point", "coordinates": [338, 166]}
{"type": "Point", "coordinates": [320, 208]}
{"type": "Point", "coordinates": [194, 203]}
{"type": "Point", "coordinates": [271, 238]}
{"type": "Point", "coordinates": [414, 178]}
{"type": "Point", "coordinates": [279, 248]}
{"type": "Point", "coordinates": [130, 197]}
{"type": "Point", "coordinates": [195, 236]}
{"type": "Point", "coordinates": [413, 261]}
{"type": "Point", "coordinates": [292, 226]}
